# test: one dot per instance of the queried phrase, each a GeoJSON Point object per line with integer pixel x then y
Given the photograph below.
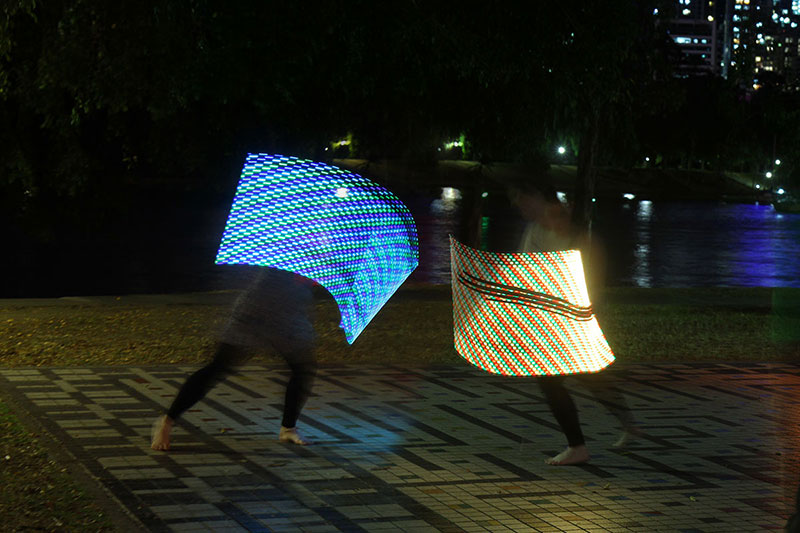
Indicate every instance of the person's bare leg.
{"type": "Point", "coordinates": [629, 434]}
{"type": "Point", "coordinates": [566, 414]}
{"type": "Point", "coordinates": [298, 389]}
{"type": "Point", "coordinates": [573, 455]}
{"type": "Point", "coordinates": [160, 433]}
{"type": "Point", "coordinates": [291, 436]}
{"type": "Point", "coordinates": [602, 386]}
{"type": "Point", "coordinates": [194, 389]}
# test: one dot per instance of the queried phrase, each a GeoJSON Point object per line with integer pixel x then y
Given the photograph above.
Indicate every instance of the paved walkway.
{"type": "Point", "coordinates": [443, 449]}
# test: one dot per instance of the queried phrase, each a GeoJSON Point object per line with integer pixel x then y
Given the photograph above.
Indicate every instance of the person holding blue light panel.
{"type": "Point", "coordinates": [272, 314]}
{"type": "Point", "coordinates": [301, 222]}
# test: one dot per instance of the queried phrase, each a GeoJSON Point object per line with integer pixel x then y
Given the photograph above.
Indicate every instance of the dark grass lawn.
{"type": "Point", "coordinates": [414, 328]}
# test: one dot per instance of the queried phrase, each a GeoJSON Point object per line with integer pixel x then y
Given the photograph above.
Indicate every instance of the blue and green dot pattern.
{"type": "Point", "coordinates": [335, 227]}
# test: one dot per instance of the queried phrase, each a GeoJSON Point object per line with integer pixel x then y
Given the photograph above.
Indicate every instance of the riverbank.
{"type": "Point", "coordinates": [646, 183]}
{"type": "Point", "coordinates": [415, 327]}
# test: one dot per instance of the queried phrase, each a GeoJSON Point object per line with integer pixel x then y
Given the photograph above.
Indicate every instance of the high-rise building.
{"type": "Point", "coordinates": [777, 45]}
{"type": "Point", "coordinates": [754, 41]}
{"type": "Point", "coordinates": [694, 31]}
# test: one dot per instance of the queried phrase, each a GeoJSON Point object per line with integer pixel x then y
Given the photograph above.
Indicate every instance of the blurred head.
{"type": "Point", "coordinates": [534, 200]}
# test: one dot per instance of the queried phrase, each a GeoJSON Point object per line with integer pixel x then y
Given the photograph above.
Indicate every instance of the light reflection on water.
{"type": "Point", "coordinates": [642, 276]}
{"type": "Point", "coordinates": [652, 244]}
{"type": "Point", "coordinates": [436, 218]}
{"type": "Point", "coordinates": [698, 244]}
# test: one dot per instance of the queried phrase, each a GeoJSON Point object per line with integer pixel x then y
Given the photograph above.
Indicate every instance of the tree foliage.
{"type": "Point", "coordinates": [95, 96]}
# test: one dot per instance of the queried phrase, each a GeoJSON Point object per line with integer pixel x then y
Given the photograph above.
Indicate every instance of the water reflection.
{"type": "Point", "coordinates": [652, 244]}
{"type": "Point", "coordinates": [768, 247]}
{"type": "Point", "coordinates": [699, 244]}
{"type": "Point", "coordinates": [437, 218]}
{"type": "Point", "coordinates": [447, 204]}
{"type": "Point", "coordinates": [642, 275]}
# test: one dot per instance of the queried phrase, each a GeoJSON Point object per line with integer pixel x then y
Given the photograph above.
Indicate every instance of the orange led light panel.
{"type": "Point", "coordinates": [525, 314]}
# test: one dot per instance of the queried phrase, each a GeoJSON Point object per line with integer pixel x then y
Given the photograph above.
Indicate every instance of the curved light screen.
{"type": "Point", "coordinates": [348, 234]}
{"type": "Point", "coordinates": [525, 314]}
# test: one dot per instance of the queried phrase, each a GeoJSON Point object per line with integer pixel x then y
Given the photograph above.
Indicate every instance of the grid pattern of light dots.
{"type": "Point", "coordinates": [525, 314]}
{"type": "Point", "coordinates": [348, 234]}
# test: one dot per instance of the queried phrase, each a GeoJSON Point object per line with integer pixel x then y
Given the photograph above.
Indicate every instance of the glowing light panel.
{"type": "Point", "coordinates": [348, 234]}
{"type": "Point", "coordinates": [525, 314]}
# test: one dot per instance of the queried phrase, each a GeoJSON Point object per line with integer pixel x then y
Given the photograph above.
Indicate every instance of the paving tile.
{"type": "Point", "coordinates": [432, 449]}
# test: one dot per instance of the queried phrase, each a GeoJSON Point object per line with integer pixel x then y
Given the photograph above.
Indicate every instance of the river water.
{"type": "Point", "coordinates": [648, 244]}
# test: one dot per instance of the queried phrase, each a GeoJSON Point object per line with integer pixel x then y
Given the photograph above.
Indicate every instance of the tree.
{"type": "Point", "coordinates": [607, 56]}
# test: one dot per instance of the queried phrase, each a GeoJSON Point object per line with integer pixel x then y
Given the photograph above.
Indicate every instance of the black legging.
{"type": "Point", "coordinates": [566, 413]}
{"type": "Point", "coordinates": [224, 363]}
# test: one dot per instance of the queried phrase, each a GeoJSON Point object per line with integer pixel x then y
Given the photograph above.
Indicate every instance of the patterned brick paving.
{"type": "Point", "coordinates": [432, 449]}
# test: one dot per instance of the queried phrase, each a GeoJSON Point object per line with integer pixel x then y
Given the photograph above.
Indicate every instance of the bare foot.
{"type": "Point", "coordinates": [628, 435]}
{"type": "Point", "coordinates": [160, 433]}
{"type": "Point", "coordinates": [573, 455]}
{"type": "Point", "coordinates": [292, 436]}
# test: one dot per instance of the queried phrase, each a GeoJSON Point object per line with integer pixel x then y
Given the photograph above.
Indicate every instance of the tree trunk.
{"type": "Point", "coordinates": [586, 175]}
{"type": "Point", "coordinates": [473, 213]}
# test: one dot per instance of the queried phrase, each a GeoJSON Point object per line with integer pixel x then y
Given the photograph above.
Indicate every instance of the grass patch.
{"type": "Point", "coordinates": [414, 328]}
{"type": "Point", "coordinates": [36, 494]}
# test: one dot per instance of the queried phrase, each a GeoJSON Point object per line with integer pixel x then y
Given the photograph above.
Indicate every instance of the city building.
{"type": "Point", "coordinates": [754, 41]}
{"type": "Point", "coordinates": [695, 32]}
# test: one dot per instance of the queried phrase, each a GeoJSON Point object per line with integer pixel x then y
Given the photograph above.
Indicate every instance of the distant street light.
{"type": "Point", "coordinates": [562, 150]}
{"type": "Point", "coordinates": [777, 161]}
{"type": "Point", "coordinates": [768, 174]}
{"type": "Point", "coordinates": [758, 186]}
{"type": "Point", "coordinates": [780, 191]}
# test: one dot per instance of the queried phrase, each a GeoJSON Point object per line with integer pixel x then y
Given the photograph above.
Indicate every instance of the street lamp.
{"type": "Point", "coordinates": [768, 174]}
{"type": "Point", "coordinates": [777, 161]}
{"type": "Point", "coordinates": [562, 150]}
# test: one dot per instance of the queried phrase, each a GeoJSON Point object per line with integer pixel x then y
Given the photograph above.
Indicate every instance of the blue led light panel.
{"type": "Point", "coordinates": [350, 235]}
